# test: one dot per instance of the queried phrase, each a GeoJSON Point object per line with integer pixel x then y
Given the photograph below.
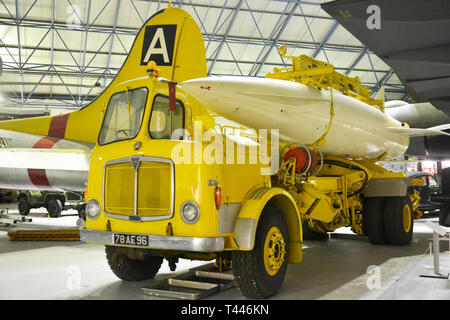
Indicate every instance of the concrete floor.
{"type": "Point", "coordinates": [335, 269]}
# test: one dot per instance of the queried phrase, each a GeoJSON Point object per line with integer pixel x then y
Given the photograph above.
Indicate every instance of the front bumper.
{"type": "Point", "coordinates": [194, 244]}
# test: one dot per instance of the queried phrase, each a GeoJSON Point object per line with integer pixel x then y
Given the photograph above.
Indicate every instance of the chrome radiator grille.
{"type": "Point", "coordinates": [139, 188]}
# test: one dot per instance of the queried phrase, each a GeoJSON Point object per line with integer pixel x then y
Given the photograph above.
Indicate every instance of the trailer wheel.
{"type": "Point", "coordinates": [132, 270]}
{"type": "Point", "coordinates": [398, 220]}
{"type": "Point", "coordinates": [24, 206]}
{"type": "Point", "coordinates": [259, 273]}
{"type": "Point", "coordinates": [54, 208]}
{"type": "Point", "coordinates": [373, 220]}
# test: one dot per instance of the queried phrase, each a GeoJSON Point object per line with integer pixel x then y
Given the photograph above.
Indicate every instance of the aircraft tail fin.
{"type": "Point", "coordinates": [171, 38]}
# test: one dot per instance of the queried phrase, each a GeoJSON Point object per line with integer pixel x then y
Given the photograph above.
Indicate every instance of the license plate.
{"type": "Point", "coordinates": [131, 239]}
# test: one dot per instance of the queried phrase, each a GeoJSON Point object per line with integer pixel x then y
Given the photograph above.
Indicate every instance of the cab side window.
{"type": "Point", "coordinates": [166, 124]}
{"type": "Point", "coordinates": [123, 116]}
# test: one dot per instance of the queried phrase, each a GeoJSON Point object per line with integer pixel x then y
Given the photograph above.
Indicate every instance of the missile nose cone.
{"type": "Point", "coordinates": [199, 88]}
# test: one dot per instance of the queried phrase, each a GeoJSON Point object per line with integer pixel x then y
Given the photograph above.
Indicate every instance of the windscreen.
{"type": "Point", "coordinates": [123, 116]}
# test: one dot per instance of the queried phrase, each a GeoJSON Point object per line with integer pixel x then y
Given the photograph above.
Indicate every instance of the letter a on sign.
{"type": "Point", "coordinates": [159, 41]}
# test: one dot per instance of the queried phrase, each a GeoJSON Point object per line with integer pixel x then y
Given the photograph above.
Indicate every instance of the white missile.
{"type": "Point", "coordinates": [30, 162]}
{"type": "Point", "coordinates": [301, 113]}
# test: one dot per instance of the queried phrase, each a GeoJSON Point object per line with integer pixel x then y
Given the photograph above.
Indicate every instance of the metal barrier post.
{"type": "Point", "coordinates": [437, 231]}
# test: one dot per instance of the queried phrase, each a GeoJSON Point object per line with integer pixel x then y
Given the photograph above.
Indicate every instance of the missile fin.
{"type": "Point", "coordinates": [416, 132]}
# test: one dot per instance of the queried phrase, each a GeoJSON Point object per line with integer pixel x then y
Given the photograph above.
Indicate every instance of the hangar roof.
{"type": "Point", "coordinates": [63, 53]}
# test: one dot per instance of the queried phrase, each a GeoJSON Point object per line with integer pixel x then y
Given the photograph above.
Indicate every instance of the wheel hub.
{"type": "Point", "coordinates": [274, 251]}
{"type": "Point", "coordinates": [406, 218]}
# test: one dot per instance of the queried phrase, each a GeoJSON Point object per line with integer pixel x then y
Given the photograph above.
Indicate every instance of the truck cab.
{"type": "Point", "coordinates": [135, 181]}
{"type": "Point", "coordinates": [163, 184]}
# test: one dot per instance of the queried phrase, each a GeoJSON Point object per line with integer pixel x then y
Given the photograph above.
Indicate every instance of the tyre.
{"type": "Point", "coordinates": [132, 270]}
{"type": "Point", "coordinates": [54, 208]}
{"type": "Point", "coordinates": [311, 235]}
{"type": "Point", "coordinates": [444, 216]}
{"type": "Point", "coordinates": [259, 273]}
{"type": "Point", "coordinates": [373, 218]}
{"type": "Point", "coordinates": [82, 212]}
{"type": "Point", "coordinates": [398, 220]}
{"type": "Point", "coordinates": [24, 206]}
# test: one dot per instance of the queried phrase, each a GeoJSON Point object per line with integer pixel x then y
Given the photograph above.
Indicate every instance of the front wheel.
{"type": "Point", "coordinates": [259, 273]}
{"type": "Point", "coordinates": [132, 270]}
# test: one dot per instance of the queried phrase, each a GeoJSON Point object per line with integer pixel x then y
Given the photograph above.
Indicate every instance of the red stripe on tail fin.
{"type": "Point", "coordinates": [58, 126]}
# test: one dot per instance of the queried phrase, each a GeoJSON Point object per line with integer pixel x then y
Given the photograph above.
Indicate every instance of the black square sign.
{"type": "Point", "coordinates": [159, 42]}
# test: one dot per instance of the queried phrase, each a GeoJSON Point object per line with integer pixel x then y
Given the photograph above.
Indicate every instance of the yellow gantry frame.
{"type": "Point", "coordinates": [320, 74]}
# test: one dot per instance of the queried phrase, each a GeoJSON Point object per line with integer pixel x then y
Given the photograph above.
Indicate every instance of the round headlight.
{"type": "Point", "coordinates": [92, 209]}
{"type": "Point", "coordinates": [190, 212]}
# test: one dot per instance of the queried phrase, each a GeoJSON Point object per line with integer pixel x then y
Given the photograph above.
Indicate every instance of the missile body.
{"type": "Point", "coordinates": [33, 162]}
{"type": "Point", "coordinates": [301, 113]}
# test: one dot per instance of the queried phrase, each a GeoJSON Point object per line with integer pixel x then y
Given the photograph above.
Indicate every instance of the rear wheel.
{"type": "Point", "coordinates": [373, 220]}
{"type": "Point", "coordinates": [132, 270]}
{"type": "Point", "coordinates": [259, 273]}
{"type": "Point", "coordinates": [398, 220]}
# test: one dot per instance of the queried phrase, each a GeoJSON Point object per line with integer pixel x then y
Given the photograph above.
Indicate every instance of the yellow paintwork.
{"type": "Point", "coordinates": [253, 206]}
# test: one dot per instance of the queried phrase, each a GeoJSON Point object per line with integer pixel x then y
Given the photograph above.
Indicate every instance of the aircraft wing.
{"type": "Point", "coordinates": [412, 38]}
